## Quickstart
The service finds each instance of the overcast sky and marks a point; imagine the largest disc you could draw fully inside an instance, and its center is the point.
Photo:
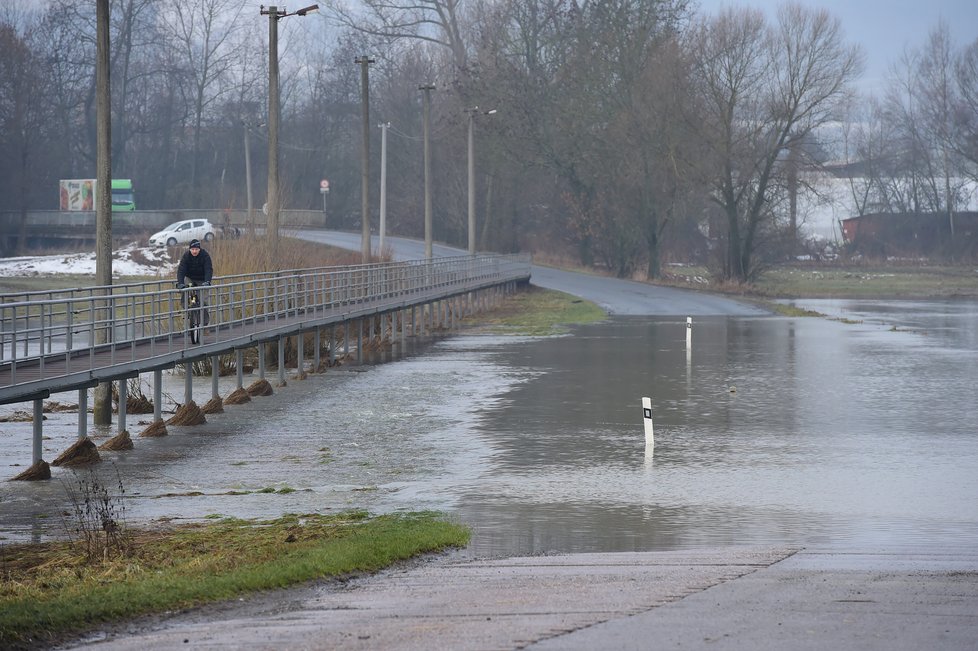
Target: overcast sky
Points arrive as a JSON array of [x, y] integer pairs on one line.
[[883, 27]]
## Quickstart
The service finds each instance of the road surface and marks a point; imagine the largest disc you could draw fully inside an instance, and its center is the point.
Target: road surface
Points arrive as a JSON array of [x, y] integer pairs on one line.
[[731, 599], [620, 297]]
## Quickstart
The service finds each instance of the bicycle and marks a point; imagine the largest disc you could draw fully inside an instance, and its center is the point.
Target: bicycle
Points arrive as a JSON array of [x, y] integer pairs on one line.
[[196, 317]]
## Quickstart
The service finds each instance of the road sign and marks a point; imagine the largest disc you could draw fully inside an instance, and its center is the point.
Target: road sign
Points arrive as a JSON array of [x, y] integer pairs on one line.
[[324, 186]]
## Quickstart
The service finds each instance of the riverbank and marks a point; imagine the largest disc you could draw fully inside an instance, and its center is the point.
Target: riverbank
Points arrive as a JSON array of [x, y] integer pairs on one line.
[[891, 281], [107, 572]]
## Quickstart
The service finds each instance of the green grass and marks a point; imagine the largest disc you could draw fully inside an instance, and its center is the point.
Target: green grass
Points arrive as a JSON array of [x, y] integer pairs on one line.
[[537, 312], [48, 592], [870, 282], [844, 281], [791, 310]]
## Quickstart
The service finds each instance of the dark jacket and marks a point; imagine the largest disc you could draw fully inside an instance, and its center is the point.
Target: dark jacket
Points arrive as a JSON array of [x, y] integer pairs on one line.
[[197, 268]]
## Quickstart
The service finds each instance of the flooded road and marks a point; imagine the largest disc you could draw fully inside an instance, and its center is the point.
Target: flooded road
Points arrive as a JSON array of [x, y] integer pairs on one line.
[[769, 430], [795, 431]]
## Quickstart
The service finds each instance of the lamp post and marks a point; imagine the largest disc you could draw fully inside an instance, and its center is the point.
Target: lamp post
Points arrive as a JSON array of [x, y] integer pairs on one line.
[[364, 63], [428, 249], [472, 113], [384, 126], [274, 15], [247, 148]]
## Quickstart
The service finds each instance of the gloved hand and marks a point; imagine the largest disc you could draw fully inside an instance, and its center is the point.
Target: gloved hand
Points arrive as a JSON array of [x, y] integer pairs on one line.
[[206, 283], [180, 285]]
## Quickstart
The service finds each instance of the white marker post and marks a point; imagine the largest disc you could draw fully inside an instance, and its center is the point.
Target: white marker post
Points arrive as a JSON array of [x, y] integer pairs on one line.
[[689, 347], [647, 417]]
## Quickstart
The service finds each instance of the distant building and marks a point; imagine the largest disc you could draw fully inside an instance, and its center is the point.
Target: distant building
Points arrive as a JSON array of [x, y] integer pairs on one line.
[[908, 234]]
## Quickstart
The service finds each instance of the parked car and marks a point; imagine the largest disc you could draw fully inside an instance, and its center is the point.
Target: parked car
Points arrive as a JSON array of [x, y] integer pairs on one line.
[[182, 232]]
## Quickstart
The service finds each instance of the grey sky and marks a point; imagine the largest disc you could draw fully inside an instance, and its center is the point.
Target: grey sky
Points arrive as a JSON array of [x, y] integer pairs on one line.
[[883, 27]]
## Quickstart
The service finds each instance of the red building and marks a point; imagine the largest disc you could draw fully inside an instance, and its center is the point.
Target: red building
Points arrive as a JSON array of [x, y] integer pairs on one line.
[[909, 234]]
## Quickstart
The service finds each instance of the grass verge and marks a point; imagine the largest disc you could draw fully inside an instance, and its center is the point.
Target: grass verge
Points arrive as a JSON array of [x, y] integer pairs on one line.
[[843, 281], [49, 592], [537, 312]]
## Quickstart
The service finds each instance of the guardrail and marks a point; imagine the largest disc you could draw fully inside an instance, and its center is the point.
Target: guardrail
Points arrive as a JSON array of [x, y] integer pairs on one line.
[[82, 223], [58, 340]]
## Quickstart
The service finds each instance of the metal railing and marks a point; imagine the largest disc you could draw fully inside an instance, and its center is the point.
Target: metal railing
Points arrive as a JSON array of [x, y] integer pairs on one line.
[[53, 334]]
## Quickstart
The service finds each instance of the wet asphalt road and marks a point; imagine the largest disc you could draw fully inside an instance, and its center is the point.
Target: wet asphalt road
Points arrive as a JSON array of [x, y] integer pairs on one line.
[[623, 297], [732, 599]]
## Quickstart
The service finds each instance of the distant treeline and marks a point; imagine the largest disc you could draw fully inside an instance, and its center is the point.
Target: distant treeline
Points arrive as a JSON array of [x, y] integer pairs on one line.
[[621, 133]]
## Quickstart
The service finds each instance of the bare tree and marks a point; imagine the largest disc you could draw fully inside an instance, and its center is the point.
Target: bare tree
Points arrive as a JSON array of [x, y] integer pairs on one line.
[[203, 33], [23, 112], [438, 22], [763, 91], [940, 94], [868, 149], [965, 119]]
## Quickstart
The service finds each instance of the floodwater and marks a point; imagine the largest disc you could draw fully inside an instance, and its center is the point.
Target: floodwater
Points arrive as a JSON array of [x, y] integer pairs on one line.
[[858, 430]]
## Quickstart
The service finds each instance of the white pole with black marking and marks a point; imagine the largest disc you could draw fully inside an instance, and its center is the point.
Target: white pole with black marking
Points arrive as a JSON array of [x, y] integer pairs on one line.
[[689, 347], [647, 417]]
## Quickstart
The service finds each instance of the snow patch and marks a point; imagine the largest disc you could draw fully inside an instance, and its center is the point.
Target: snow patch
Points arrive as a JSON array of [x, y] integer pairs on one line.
[[130, 260]]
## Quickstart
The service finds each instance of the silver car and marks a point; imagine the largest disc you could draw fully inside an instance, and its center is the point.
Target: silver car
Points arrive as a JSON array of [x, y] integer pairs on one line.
[[182, 232]]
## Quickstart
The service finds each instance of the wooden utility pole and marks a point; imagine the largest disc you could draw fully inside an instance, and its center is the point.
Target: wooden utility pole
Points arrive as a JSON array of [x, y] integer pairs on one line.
[[274, 199], [272, 202], [102, 409]]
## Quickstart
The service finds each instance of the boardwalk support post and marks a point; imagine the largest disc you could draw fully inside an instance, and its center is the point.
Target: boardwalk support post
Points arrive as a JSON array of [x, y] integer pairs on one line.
[[300, 355], [158, 427], [83, 413], [36, 451], [281, 361], [123, 402], [188, 382]]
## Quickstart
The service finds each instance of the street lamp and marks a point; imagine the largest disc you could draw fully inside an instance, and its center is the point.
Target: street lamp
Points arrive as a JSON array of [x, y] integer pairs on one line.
[[472, 113], [384, 126], [426, 113], [247, 148], [364, 63], [274, 15]]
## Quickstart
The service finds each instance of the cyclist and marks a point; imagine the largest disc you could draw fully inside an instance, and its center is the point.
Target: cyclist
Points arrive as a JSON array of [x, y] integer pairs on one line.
[[195, 268]]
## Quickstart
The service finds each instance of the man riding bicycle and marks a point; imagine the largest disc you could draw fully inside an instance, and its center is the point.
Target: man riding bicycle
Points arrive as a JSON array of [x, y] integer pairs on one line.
[[195, 268]]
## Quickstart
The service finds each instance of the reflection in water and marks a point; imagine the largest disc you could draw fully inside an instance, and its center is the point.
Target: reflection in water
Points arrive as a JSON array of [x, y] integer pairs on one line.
[[767, 430], [777, 430]]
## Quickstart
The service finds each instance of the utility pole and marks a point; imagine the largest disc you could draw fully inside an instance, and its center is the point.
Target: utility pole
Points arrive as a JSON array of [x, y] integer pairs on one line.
[[384, 126], [428, 249], [102, 407], [364, 63], [274, 15]]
